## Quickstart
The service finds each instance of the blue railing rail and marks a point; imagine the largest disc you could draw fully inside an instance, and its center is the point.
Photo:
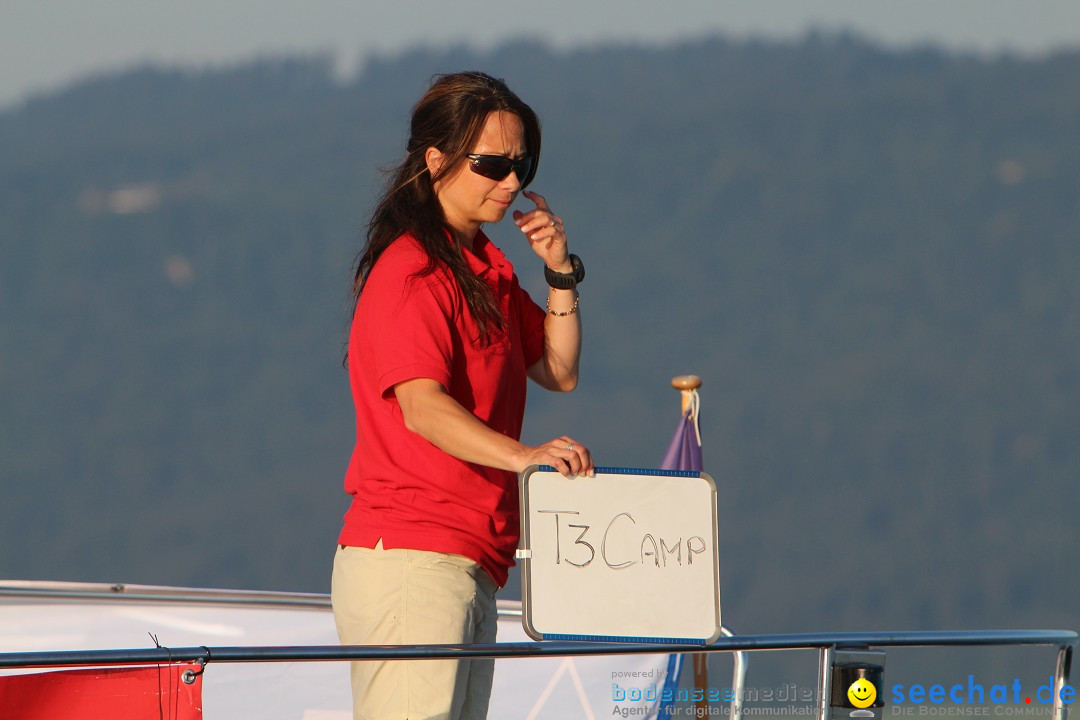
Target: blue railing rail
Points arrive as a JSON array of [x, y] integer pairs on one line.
[[1062, 639], [825, 643]]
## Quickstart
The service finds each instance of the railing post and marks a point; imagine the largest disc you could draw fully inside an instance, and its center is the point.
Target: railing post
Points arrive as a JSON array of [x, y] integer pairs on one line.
[[738, 678], [825, 661], [1061, 679]]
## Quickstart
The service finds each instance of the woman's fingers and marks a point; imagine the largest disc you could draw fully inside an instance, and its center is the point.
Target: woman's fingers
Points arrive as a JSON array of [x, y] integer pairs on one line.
[[569, 457], [538, 223], [576, 458], [582, 457], [587, 466], [537, 198]]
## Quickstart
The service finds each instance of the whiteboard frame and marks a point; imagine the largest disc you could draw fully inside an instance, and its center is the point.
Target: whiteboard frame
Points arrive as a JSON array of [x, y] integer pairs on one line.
[[524, 556]]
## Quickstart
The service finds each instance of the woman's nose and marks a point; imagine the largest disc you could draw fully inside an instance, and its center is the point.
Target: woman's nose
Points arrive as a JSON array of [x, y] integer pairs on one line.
[[512, 182]]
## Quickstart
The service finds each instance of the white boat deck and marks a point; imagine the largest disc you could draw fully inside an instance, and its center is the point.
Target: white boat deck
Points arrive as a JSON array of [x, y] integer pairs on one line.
[[49, 616]]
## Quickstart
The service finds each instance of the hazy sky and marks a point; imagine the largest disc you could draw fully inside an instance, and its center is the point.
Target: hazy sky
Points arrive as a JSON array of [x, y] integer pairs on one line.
[[45, 44]]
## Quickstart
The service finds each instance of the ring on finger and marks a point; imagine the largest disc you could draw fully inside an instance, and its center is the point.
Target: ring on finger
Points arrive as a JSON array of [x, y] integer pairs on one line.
[[570, 446]]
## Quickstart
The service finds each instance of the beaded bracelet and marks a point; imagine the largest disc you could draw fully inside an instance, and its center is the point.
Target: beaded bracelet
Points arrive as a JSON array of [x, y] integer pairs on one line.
[[571, 311]]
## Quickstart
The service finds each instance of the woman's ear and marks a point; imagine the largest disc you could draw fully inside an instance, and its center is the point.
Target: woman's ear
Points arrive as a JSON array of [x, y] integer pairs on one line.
[[434, 159]]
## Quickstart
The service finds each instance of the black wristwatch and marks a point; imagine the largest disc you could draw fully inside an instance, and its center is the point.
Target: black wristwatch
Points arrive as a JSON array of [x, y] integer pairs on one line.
[[566, 281]]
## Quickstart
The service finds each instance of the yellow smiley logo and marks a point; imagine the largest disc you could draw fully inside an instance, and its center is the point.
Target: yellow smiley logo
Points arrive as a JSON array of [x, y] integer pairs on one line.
[[862, 693]]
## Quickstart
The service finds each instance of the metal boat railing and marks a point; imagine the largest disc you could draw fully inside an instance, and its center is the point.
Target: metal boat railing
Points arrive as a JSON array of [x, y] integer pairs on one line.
[[825, 643]]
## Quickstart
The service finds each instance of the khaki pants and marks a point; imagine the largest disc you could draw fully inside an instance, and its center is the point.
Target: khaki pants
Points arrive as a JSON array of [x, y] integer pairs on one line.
[[407, 597]]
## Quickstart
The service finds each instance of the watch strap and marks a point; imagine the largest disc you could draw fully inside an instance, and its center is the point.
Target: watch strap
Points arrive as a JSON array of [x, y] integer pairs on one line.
[[566, 281]]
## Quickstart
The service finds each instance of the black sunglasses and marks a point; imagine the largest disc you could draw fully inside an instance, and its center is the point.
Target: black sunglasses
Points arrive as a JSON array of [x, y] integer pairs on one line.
[[498, 167]]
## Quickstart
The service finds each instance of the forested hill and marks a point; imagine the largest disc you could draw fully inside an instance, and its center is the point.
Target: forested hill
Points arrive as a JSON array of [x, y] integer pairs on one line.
[[870, 256]]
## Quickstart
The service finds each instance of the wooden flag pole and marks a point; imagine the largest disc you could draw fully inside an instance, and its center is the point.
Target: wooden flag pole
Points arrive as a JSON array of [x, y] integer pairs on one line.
[[687, 384]]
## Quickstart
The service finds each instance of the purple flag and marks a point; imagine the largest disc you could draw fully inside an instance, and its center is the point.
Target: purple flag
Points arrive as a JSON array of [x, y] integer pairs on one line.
[[684, 453]]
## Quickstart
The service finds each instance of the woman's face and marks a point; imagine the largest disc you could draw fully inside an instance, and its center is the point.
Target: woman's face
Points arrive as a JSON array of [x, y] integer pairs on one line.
[[468, 199]]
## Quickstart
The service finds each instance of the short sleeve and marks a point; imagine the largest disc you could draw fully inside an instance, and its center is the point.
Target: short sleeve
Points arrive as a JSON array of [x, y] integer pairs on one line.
[[407, 321], [531, 317]]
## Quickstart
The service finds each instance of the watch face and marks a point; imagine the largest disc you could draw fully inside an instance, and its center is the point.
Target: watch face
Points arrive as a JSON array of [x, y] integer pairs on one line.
[[566, 281], [579, 268]]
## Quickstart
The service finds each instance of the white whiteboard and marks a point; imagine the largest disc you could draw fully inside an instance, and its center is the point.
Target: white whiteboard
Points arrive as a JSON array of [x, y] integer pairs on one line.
[[626, 555]]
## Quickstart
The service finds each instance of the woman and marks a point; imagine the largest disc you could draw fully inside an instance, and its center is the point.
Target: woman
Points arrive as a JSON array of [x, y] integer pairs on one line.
[[442, 340]]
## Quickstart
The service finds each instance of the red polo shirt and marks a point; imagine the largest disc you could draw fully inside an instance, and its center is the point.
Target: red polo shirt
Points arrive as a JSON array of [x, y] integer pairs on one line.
[[405, 490]]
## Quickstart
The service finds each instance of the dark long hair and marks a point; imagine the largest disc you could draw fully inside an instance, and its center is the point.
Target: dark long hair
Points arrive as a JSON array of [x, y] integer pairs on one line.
[[450, 117]]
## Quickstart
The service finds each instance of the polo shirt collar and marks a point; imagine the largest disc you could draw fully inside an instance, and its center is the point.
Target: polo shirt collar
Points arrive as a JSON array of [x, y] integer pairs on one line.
[[485, 257]]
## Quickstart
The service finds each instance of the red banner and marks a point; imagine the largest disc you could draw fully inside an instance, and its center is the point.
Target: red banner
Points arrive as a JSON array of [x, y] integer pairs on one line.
[[128, 693]]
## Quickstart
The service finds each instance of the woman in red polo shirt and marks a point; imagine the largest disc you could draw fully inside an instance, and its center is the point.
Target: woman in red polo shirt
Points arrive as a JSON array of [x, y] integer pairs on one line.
[[442, 341]]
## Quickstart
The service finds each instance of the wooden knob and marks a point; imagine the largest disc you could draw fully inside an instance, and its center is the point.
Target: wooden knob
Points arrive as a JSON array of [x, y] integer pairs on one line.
[[686, 382]]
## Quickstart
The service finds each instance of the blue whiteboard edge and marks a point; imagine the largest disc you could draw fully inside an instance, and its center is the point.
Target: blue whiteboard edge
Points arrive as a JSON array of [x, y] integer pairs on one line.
[[624, 639], [637, 471]]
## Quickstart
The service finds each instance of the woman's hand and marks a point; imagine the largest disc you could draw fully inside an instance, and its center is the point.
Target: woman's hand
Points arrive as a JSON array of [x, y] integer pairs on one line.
[[564, 454], [545, 232]]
